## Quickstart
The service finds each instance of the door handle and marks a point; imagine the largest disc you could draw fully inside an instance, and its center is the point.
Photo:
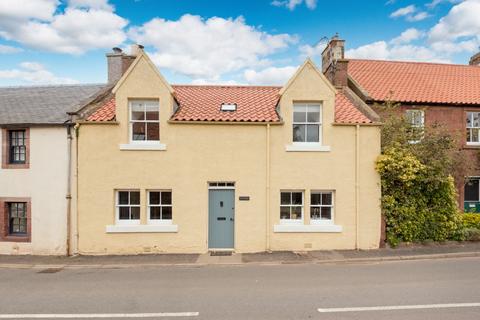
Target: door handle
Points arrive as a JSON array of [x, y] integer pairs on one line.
[[231, 219]]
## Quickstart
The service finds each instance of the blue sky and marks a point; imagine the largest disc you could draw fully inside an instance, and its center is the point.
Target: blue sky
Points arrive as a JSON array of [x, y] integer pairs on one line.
[[224, 41]]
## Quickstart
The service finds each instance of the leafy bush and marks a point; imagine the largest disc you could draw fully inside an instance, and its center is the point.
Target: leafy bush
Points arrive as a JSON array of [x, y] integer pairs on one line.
[[471, 220], [419, 200], [472, 234]]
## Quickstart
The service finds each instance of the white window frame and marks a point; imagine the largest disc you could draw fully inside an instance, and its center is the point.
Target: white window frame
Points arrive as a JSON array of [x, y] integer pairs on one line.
[[471, 127], [410, 115], [149, 206], [130, 110], [330, 221], [119, 221], [319, 123], [292, 221]]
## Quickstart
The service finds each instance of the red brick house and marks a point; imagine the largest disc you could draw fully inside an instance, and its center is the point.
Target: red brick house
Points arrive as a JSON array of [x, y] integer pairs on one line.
[[429, 93]]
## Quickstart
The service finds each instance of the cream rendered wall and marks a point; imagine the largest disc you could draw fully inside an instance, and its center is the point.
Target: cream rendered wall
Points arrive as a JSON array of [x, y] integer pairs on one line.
[[198, 153], [45, 182]]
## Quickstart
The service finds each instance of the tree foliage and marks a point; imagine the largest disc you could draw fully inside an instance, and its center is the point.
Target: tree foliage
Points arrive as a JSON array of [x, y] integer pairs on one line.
[[417, 167]]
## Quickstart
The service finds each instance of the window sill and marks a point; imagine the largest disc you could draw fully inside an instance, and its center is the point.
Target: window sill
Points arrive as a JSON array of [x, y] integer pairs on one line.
[[306, 147], [141, 228], [470, 145], [143, 146], [318, 228]]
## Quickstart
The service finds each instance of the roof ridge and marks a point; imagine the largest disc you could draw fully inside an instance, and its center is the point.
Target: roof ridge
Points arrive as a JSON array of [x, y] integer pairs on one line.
[[225, 85], [416, 62]]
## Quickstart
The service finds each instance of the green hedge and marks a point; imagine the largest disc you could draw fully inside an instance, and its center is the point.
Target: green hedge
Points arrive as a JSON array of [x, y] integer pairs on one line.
[[471, 220]]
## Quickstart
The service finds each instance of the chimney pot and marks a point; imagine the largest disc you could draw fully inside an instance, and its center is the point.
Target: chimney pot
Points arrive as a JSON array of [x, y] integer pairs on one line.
[[117, 50], [475, 60], [135, 49]]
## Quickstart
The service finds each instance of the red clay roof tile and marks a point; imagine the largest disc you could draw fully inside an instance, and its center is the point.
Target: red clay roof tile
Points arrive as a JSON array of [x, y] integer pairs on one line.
[[254, 104], [417, 82]]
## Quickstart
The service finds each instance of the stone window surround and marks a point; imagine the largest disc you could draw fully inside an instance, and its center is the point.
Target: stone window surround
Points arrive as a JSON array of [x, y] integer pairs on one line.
[[6, 151], [4, 233]]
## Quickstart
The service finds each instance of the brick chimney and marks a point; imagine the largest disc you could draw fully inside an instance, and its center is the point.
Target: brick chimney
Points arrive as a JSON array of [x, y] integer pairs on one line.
[[334, 64], [475, 60], [118, 62]]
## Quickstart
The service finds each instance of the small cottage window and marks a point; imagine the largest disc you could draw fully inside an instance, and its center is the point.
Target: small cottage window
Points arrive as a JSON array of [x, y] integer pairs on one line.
[[144, 120], [416, 119], [321, 207], [17, 218], [228, 107], [473, 127], [291, 207], [17, 146], [306, 123], [128, 207], [160, 206]]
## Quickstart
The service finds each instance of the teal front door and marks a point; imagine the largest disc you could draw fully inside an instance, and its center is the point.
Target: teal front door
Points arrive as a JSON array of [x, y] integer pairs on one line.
[[221, 222]]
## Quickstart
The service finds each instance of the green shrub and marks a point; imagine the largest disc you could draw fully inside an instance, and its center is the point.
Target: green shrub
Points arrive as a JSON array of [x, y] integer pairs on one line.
[[471, 220], [472, 234]]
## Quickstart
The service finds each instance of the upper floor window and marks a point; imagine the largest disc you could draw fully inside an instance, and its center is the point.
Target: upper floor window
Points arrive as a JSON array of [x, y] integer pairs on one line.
[[17, 146], [416, 119], [473, 127], [144, 120], [307, 123]]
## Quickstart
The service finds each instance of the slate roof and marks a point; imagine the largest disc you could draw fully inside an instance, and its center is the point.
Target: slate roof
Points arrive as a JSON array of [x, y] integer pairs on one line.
[[42, 104], [417, 82], [254, 104]]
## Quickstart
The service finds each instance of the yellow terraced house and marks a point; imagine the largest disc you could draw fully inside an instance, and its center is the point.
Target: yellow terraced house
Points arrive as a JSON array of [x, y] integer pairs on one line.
[[164, 168]]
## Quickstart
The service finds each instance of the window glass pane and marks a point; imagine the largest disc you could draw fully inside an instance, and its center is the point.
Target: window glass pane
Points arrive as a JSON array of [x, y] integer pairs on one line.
[[312, 132], [326, 198], [138, 115], [138, 131], [153, 131], [124, 213], [284, 212], [471, 190], [326, 213], [296, 213], [313, 114], [167, 213], [154, 197], [123, 197], [315, 213], [469, 119], [315, 199], [152, 111], [476, 120], [299, 116], [166, 197], [135, 213], [285, 198], [297, 198], [134, 197], [155, 213], [474, 136], [299, 133], [469, 136]]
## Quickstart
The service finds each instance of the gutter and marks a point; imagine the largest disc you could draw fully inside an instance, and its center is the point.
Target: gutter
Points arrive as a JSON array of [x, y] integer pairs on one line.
[[357, 185], [69, 188], [267, 190]]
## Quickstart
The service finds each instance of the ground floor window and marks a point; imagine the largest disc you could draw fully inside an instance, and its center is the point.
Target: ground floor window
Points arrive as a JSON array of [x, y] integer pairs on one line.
[[291, 206], [321, 206], [160, 206], [17, 218], [472, 194], [128, 206]]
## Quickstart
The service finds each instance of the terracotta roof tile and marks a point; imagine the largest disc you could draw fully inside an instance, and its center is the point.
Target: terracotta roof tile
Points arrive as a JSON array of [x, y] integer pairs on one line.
[[346, 112], [254, 104], [417, 82], [105, 112], [202, 103]]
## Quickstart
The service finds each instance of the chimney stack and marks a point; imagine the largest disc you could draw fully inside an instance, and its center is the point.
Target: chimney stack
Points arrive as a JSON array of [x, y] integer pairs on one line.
[[475, 60], [334, 64], [118, 62]]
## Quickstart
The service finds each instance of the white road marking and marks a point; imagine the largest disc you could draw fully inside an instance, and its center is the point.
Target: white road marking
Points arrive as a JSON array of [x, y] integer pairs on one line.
[[410, 307], [98, 315]]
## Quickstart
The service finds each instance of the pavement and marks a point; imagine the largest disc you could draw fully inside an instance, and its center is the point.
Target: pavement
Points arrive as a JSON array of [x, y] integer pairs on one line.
[[440, 289], [405, 252]]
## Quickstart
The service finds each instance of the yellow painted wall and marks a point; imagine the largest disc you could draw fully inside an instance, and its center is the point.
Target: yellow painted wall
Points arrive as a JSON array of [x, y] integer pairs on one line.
[[198, 153]]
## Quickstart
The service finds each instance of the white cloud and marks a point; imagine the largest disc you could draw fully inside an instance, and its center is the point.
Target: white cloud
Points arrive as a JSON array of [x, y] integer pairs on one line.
[[312, 51], [292, 4], [403, 11], [270, 75], [34, 73], [422, 15], [435, 3], [408, 36], [206, 49], [84, 25], [9, 49]]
